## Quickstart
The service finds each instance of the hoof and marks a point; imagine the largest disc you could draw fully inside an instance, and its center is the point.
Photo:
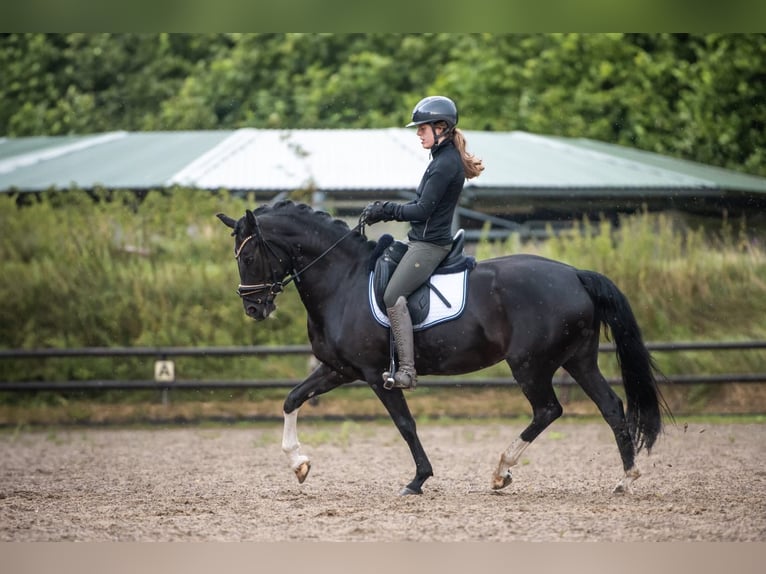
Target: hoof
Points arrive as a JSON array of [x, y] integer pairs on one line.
[[302, 471], [623, 487], [406, 491], [499, 482]]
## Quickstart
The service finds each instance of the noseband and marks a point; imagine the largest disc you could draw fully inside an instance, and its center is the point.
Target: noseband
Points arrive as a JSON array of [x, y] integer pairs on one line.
[[277, 286]]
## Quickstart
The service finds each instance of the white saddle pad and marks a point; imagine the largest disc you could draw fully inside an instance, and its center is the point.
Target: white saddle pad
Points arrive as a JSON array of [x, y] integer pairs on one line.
[[454, 288]]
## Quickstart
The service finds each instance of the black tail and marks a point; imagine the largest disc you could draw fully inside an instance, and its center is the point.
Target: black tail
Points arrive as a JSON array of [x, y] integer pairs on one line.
[[638, 368]]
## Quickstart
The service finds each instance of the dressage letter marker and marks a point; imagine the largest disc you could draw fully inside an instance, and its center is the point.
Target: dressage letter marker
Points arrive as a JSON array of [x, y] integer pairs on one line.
[[164, 371]]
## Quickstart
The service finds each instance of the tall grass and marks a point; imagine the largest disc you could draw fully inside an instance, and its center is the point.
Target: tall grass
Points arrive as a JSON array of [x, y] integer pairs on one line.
[[119, 272], [105, 269], [684, 284]]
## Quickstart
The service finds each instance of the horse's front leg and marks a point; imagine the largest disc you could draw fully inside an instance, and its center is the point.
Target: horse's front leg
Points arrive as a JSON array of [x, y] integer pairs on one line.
[[291, 446], [321, 380], [397, 408]]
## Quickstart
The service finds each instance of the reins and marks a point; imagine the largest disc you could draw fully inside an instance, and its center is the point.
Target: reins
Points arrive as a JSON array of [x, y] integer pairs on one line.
[[277, 287]]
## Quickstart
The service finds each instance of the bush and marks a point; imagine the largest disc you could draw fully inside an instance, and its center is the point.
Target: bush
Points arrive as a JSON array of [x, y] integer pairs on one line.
[[684, 284], [105, 269]]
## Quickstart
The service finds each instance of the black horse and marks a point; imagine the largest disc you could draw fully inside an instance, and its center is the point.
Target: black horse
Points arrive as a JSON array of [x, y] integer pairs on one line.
[[534, 313]]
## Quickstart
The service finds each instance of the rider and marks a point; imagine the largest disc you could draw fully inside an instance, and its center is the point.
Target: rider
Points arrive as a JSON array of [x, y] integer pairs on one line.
[[430, 215]]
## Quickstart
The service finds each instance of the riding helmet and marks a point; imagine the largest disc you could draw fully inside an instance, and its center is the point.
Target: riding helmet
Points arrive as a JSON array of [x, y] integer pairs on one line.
[[434, 109]]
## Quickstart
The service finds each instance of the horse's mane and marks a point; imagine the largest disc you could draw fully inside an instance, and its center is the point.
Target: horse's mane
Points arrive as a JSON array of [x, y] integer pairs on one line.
[[304, 211]]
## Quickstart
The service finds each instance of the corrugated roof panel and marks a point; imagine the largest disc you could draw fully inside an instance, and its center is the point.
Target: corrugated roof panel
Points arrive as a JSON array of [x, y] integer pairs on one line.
[[291, 159], [360, 159], [40, 151], [535, 161], [14, 147], [246, 159], [712, 175], [127, 160]]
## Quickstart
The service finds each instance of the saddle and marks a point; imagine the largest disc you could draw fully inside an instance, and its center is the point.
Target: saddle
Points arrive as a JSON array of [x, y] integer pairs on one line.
[[388, 254]]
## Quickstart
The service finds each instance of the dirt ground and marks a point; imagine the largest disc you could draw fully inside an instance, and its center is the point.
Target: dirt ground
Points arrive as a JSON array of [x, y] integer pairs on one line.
[[703, 482]]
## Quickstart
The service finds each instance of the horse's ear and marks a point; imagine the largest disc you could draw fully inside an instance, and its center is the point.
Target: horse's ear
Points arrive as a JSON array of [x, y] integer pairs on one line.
[[227, 221], [250, 220]]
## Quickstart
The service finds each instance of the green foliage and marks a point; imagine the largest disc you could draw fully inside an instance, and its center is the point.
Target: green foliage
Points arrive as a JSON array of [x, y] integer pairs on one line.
[[684, 284], [105, 269], [110, 271], [694, 96]]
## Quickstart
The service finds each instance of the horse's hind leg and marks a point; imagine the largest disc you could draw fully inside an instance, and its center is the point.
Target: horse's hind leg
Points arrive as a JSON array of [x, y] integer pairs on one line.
[[538, 389], [585, 371]]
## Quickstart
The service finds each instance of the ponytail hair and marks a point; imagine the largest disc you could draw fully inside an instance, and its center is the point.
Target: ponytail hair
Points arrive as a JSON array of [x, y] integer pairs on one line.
[[472, 165]]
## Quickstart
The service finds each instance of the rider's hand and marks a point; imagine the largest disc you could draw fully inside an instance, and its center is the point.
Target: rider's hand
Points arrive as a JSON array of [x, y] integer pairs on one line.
[[375, 212]]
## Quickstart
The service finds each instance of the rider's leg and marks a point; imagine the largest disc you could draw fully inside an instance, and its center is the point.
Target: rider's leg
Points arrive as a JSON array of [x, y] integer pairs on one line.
[[414, 269], [405, 376]]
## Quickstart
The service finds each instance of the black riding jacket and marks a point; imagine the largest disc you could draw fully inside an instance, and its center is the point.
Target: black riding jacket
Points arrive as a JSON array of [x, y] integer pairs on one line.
[[431, 212]]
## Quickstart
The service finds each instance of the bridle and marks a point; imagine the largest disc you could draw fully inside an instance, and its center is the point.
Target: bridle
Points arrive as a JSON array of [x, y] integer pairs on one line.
[[277, 286], [273, 288]]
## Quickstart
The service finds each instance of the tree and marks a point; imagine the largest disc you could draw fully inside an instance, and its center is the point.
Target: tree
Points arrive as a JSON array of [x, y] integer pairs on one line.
[[696, 96]]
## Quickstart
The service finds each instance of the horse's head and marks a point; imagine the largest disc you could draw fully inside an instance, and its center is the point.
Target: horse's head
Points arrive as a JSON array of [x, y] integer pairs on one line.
[[261, 267]]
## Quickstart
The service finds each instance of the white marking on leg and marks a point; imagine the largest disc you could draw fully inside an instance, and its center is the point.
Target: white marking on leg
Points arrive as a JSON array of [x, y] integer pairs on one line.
[[624, 485], [298, 462], [502, 476]]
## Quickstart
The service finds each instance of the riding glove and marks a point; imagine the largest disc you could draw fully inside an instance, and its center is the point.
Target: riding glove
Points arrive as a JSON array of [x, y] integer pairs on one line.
[[378, 211]]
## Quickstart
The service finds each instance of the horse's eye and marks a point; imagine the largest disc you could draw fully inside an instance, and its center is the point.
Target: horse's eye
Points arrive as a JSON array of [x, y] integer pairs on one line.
[[249, 260]]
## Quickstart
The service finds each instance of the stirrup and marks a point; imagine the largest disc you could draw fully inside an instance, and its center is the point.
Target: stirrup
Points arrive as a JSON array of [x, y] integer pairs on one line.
[[390, 382]]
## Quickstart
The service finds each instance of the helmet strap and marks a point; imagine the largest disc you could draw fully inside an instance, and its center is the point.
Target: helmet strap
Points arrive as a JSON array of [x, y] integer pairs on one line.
[[436, 137], [446, 135]]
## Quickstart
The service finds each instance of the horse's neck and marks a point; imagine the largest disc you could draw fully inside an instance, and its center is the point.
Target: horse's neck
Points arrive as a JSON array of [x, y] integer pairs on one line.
[[327, 258], [326, 276]]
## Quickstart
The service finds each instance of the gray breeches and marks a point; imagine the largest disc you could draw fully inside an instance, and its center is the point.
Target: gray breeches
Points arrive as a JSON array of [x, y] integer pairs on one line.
[[416, 267]]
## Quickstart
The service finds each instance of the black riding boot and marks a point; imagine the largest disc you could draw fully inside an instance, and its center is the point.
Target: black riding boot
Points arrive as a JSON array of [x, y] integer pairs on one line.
[[401, 326]]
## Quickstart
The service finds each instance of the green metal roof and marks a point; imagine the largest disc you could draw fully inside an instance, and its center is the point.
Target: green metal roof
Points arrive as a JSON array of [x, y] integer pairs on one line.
[[341, 160], [718, 177]]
